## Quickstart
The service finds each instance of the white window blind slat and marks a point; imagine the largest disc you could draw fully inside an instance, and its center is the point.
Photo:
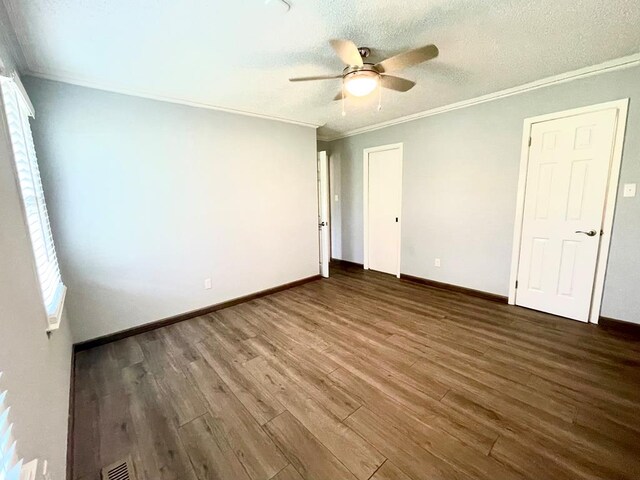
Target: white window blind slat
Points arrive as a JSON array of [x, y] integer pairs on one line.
[[16, 113], [6, 437], [10, 466], [7, 460]]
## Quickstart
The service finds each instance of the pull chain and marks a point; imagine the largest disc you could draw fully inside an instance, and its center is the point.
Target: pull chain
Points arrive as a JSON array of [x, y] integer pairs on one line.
[[344, 113], [380, 94]]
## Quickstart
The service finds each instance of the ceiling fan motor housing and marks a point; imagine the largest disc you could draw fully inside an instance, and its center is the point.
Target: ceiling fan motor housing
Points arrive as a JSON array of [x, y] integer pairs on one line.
[[367, 67]]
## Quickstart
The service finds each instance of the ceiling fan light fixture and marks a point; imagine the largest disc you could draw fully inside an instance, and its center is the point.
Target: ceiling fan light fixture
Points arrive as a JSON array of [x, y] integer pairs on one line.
[[361, 84]]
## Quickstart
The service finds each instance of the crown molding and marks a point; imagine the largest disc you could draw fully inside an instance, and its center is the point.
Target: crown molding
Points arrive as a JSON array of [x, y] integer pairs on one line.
[[609, 66], [151, 96]]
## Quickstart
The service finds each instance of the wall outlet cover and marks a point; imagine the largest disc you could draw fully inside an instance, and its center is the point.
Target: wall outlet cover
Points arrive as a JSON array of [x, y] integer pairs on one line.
[[207, 284], [436, 262], [629, 190]]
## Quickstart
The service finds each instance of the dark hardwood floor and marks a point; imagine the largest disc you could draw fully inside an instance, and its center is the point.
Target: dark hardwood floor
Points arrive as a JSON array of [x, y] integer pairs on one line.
[[363, 376]]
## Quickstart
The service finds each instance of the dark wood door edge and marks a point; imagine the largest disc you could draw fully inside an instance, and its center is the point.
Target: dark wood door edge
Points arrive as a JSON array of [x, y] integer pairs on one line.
[[622, 326], [455, 288], [95, 342]]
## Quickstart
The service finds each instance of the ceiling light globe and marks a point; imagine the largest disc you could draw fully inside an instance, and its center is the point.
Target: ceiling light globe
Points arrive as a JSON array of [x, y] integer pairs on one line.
[[360, 84]]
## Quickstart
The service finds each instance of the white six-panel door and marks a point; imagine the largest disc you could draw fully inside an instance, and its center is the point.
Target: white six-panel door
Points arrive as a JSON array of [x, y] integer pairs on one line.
[[383, 171], [566, 188]]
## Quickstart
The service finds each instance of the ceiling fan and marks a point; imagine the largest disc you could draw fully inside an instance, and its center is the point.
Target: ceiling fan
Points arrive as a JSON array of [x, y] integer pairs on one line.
[[360, 77]]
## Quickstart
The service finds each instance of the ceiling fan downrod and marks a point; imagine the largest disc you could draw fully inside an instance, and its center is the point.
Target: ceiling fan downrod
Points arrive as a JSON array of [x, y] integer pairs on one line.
[[364, 52]]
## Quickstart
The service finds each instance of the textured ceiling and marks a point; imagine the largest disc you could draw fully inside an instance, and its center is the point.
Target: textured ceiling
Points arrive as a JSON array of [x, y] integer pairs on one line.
[[239, 54]]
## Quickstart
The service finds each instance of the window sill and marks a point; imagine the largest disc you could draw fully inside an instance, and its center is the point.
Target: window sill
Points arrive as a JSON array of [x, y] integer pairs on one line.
[[54, 318]]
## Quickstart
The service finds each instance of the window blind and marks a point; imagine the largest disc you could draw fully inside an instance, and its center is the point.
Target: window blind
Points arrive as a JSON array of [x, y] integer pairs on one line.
[[9, 466], [16, 110]]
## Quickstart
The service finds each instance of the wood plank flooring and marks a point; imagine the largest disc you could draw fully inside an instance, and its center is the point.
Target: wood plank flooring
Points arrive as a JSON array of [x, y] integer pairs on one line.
[[363, 376]]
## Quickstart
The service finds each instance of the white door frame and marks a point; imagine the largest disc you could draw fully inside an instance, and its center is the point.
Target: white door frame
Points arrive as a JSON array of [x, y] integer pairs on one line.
[[324, 206], [610, 203], [365, 202]]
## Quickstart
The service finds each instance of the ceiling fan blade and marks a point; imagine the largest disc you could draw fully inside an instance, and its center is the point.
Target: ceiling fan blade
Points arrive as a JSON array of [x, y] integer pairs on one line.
[[347, 51], [396, 83], [408, 59], [338, 96], [320, 77]]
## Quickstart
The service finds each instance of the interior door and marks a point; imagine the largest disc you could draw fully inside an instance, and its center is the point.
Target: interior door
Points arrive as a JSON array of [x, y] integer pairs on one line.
[[567, 177], [384, 203], [323, 213]]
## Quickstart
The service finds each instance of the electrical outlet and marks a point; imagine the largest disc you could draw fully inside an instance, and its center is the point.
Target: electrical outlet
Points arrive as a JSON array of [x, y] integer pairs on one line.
[[629, 190], [337, 198], [207, 284], [436, 263]]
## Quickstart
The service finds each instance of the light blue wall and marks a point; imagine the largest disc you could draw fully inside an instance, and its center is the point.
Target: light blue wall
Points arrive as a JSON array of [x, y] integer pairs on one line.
[[148, 199], [460, 182]]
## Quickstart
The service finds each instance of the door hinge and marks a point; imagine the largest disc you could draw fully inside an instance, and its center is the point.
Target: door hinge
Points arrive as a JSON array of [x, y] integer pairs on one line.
[[529, 141], [516, 283]]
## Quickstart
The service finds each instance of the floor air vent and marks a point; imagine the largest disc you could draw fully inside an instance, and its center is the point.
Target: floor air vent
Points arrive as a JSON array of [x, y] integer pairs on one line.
[[122, 470]]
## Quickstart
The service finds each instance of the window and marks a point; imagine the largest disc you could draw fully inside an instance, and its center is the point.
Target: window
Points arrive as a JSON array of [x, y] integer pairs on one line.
[[9, 467], [17, 110]]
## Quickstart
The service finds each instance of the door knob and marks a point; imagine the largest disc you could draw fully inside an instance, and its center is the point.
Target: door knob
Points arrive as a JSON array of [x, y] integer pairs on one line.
[[590, 233]]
